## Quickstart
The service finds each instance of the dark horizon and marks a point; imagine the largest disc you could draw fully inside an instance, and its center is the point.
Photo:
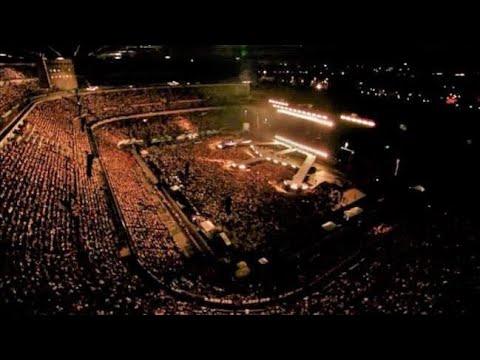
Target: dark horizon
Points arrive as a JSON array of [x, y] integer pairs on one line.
[[445, 52]]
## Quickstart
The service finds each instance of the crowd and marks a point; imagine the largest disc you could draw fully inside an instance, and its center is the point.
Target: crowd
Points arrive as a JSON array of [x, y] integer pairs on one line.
[[13, 94], [9, 73], [409, 274], [134, 101], [149, 128], [259, 211], [140, 207], [59, 245]]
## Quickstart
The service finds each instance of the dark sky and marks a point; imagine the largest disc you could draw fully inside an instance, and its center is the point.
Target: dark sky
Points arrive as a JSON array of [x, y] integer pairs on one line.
[[438, 49]]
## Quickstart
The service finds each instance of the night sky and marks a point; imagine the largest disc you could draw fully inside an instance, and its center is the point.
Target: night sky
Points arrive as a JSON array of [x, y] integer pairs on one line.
[[440, 49]]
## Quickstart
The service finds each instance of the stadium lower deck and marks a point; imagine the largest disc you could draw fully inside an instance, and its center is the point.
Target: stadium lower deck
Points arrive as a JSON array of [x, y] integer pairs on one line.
[[61, 234]]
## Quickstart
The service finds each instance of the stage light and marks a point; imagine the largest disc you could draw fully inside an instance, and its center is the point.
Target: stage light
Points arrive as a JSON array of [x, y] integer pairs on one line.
[[276, 102], [316, 118], [360, 121]]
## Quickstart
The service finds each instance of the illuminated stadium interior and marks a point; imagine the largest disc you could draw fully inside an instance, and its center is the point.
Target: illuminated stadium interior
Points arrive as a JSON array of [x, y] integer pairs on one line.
[[211, 198]]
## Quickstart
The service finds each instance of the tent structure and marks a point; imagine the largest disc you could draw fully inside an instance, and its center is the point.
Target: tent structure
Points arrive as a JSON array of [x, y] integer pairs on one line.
[[350, 213], [329, 226]]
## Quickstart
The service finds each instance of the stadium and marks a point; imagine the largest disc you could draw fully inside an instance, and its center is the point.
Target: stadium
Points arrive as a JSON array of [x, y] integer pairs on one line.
[[190, 199]]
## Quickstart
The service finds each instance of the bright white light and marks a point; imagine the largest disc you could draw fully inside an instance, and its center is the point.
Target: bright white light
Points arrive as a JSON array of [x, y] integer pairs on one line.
[[460, 74], [300, 147], [191, 60], [293, 186], [242, 167], [264, 72], [316, 118], [234, 165], [167, 57], [356, 120], [276, 102], [304, 186]]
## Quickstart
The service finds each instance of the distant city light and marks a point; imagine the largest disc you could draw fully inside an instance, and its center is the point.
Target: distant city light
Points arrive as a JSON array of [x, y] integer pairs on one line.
[[357, 120], [300, 147], [451, 99]]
